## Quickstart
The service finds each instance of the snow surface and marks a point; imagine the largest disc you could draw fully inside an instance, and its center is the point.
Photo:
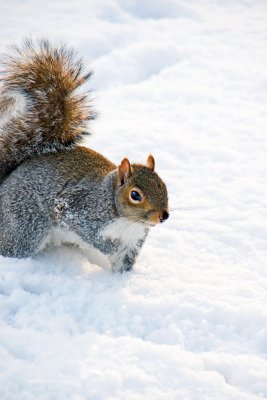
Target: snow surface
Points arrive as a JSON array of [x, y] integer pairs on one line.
[[186, 81]]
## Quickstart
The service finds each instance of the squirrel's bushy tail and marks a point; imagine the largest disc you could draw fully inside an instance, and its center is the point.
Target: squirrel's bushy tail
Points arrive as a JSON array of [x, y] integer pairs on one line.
[[40, 108]]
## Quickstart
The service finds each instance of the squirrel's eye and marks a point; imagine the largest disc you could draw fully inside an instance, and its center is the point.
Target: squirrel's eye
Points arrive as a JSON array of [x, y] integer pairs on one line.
[[136, 196]]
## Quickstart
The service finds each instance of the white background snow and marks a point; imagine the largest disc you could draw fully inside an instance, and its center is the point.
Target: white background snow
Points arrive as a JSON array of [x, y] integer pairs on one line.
[[186, 81]]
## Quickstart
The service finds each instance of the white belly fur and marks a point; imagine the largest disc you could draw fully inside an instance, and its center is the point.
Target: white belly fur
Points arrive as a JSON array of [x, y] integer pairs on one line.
[[59, 236], [122, 229], [128, 232]]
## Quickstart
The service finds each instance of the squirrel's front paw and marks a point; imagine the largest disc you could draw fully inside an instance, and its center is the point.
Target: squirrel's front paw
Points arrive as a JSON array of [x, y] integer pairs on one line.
[[122, 268], [126, 268]]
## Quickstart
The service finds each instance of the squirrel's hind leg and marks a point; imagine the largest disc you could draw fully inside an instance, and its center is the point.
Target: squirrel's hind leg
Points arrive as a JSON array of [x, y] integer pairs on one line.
[[23, 226], [23, 239]]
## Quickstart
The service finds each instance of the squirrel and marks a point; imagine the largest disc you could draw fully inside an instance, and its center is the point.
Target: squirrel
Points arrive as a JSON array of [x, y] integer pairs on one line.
[[54, 190]]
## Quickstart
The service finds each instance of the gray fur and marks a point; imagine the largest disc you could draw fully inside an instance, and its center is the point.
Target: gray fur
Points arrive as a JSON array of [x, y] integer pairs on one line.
[[35, 199]]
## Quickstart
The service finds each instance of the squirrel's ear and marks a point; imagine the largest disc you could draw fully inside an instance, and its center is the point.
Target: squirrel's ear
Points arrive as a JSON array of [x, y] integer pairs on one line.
[[150, 163], [125, 171]]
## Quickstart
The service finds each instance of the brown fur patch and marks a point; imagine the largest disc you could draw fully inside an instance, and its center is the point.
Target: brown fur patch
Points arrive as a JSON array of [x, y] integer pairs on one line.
[[6, 104], [55, 117]]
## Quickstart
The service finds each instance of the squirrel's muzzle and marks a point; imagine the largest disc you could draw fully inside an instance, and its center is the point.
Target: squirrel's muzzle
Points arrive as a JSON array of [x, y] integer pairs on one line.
[[159, 217], [165, 216]]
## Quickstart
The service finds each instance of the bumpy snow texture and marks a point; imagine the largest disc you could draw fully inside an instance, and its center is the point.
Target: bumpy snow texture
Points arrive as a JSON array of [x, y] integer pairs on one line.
[[187, 81]]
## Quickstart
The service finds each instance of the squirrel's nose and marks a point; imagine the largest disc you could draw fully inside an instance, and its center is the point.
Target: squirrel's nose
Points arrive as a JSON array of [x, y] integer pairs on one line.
[[165, 215]]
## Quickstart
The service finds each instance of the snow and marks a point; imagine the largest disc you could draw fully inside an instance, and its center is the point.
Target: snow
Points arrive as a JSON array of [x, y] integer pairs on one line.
[[187, 82]]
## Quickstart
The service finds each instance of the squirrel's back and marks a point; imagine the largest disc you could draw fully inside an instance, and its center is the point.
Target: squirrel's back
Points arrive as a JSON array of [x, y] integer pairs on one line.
[[40, 108], [72, 165]]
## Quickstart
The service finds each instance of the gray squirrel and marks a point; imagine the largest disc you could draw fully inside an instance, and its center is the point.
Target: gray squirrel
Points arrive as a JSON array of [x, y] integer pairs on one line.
[[53, 190]]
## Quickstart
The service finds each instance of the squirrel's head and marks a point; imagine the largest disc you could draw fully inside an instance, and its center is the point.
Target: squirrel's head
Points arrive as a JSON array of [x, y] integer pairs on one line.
[[141, 195]]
